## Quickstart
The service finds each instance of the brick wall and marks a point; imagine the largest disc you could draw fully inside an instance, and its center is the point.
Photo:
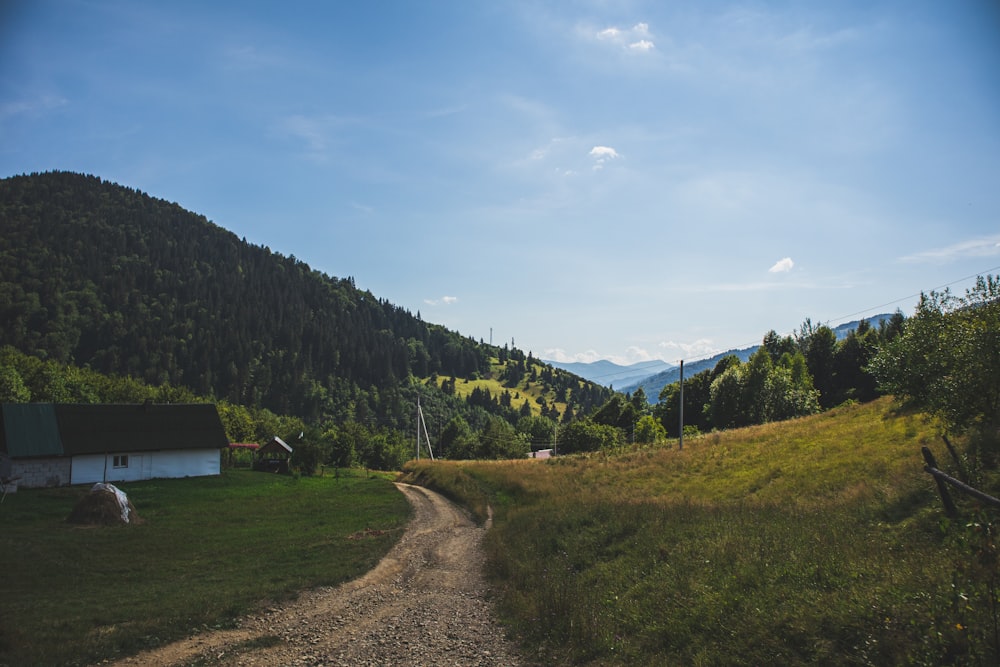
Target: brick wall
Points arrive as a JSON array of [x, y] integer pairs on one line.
[[38, 473]]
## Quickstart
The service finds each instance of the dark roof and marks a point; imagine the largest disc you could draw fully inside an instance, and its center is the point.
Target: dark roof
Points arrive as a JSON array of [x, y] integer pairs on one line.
[[29, 430], [97, 429]]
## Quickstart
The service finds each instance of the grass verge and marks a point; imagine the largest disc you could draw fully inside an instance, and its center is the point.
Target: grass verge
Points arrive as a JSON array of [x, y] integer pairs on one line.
[[815, 541], [209, 549]]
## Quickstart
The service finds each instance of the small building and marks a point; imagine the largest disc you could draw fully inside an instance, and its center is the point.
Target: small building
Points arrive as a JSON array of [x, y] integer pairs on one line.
[[274, 456], [56, 444]]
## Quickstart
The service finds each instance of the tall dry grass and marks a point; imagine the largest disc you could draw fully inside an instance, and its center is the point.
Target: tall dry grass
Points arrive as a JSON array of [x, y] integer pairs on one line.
[[815, 541]]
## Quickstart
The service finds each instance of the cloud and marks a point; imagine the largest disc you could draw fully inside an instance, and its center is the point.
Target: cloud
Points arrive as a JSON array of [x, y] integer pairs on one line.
[[630, 39], [672, 351], [602, 154], [443, 301], [984, 247], [563, 357], [783, 265]]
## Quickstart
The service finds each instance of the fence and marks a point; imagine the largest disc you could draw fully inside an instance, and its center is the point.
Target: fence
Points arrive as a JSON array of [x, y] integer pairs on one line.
[[943, 480]]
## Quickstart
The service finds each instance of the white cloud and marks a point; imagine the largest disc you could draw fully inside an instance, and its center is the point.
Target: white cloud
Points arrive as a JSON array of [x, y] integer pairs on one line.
[[602, 154], [984, 247], [443, 301], [632, 39], [783, 265], [672, 351], [563, 357]]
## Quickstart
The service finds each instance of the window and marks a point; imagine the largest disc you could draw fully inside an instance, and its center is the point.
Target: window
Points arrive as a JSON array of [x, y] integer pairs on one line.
[[121, 460]]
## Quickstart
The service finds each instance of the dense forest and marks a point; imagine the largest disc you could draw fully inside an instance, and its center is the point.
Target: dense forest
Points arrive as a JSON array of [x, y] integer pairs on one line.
[[104, 277]]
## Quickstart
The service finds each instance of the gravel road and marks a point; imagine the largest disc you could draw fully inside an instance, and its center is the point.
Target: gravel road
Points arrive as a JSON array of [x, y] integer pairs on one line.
[[425, 603]]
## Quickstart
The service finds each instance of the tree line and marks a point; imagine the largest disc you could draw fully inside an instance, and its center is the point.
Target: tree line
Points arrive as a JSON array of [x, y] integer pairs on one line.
[[944, 360]]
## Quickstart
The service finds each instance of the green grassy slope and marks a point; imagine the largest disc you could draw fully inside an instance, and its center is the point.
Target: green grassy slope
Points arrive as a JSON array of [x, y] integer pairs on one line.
[[815, 541]]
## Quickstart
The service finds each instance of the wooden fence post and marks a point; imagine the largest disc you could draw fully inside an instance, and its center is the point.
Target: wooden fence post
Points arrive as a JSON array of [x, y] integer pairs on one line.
[[949, 504]]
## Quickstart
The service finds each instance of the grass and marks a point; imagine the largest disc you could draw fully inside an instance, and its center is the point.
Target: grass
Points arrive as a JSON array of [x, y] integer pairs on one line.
[[208, 550], [815, 541], [527, 391]]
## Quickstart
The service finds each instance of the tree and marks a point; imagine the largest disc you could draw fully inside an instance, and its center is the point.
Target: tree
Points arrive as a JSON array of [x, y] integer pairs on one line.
[[726, 408], [947, 359], [649, 430], [538, 429], [12, 387], [585, 435], [499, 440], [457, 440], [819, 345]]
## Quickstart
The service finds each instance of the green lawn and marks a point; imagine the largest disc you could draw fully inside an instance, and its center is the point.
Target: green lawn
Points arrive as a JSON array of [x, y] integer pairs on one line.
[[208, 550]]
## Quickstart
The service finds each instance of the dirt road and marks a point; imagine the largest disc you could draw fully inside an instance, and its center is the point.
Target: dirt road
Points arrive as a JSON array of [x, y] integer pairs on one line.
[[424, 604]]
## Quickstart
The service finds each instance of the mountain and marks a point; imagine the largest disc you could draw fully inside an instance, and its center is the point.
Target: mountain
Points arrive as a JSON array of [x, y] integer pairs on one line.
[[652, 385], [104, 276], [608, 373], [842, 330]]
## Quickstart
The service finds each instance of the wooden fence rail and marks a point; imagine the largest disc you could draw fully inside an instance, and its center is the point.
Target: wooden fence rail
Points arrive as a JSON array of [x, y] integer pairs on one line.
[[943, 478]]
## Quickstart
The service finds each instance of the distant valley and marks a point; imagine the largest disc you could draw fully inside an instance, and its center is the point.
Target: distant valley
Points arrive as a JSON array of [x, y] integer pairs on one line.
[[608, 373]]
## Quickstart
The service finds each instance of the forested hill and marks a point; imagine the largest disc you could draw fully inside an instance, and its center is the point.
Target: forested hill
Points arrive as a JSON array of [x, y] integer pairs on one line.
[[101, 275]]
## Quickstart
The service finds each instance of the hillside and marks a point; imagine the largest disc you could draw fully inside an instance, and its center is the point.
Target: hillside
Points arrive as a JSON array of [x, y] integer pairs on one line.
[[813, 541], [107, 277]]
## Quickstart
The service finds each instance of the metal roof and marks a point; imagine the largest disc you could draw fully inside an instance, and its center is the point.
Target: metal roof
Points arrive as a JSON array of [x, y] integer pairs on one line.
[[30, 430], [44, 429]]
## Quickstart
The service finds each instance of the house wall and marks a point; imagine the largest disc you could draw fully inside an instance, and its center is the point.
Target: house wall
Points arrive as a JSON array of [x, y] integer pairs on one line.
[[91, 468], [40, 473]]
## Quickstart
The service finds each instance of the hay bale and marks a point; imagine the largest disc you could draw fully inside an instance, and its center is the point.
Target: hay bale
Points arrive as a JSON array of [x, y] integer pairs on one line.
[[105, 505]]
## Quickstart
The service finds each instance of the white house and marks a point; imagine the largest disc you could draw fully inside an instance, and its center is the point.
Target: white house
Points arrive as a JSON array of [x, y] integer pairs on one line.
[[56, 444]]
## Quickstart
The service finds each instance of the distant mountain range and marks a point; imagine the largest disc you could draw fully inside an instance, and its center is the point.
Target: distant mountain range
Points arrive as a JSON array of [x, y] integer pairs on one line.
[[608, 373], [654, 383]]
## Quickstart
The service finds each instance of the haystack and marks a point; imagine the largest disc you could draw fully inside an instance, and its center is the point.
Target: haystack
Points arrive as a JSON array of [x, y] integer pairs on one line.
[[105, 505]]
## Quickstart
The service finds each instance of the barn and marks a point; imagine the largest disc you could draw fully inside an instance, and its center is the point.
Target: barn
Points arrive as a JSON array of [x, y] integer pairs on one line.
[[56, 444]]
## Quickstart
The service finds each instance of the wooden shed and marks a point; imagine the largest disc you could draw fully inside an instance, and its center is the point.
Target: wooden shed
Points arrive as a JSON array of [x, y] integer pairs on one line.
[[273, 456]]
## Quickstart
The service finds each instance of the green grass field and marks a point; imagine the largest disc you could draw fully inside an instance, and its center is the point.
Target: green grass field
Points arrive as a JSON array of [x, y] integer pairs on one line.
[[815, 541], [208, 550]]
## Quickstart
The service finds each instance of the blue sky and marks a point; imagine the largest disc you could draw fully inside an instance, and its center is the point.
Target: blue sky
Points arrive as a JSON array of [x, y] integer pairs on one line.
[[619, 180]]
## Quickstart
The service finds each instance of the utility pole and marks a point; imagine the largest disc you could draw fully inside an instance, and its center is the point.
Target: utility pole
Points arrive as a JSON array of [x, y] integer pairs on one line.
[[422, 423], [680, 442]]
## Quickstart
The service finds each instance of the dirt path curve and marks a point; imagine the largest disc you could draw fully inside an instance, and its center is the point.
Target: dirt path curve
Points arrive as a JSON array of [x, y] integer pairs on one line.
[[423, 604]]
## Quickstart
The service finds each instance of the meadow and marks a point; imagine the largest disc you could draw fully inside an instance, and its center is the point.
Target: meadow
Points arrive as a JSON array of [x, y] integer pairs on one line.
[[208, 550], [815, 541]]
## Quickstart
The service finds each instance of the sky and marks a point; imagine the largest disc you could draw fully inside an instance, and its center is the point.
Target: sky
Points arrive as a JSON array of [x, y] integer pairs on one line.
[[589, 179]]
